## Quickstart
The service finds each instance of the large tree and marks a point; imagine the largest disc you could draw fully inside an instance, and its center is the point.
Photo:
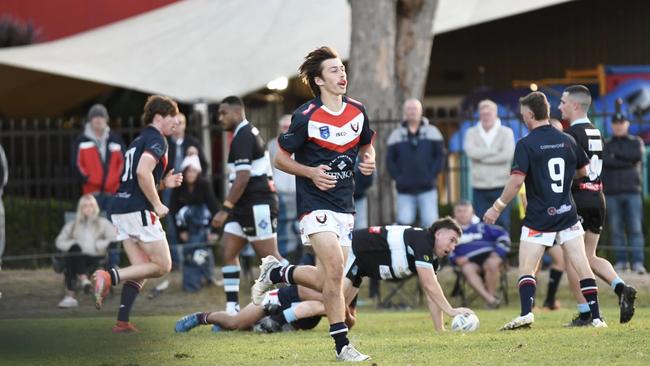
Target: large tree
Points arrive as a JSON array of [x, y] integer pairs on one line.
[[389, 59], [390, 51]]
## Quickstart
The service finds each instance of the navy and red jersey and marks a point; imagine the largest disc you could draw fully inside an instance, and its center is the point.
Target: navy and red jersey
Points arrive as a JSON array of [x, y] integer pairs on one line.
[[393, 252], [587, 191], [319, 136], [248, 152], [129, 197], [549, 160]]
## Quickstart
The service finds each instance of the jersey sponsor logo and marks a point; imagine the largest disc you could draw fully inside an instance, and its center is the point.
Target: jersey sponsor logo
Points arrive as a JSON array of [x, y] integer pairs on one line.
[[341, 134], [341, 175], [554, 146], [324, 132], [594, 187], [374, 230], [552, 211], [354, 126], [322, 219]]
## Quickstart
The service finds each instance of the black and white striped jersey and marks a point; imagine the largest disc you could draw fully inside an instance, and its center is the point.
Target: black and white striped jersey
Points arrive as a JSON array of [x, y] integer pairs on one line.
[[587, 191], [248, 152], [393, 252]]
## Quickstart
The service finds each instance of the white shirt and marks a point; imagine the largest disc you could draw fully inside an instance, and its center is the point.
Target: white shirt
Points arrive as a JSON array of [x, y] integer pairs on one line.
[[489, 136]]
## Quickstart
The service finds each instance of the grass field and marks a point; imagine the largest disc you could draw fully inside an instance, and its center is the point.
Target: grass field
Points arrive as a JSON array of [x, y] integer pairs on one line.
[[34, 332], [392, 338]]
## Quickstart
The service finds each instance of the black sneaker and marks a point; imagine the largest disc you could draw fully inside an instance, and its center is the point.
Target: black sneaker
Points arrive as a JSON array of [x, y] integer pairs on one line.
[[626, 302], [579, 322]]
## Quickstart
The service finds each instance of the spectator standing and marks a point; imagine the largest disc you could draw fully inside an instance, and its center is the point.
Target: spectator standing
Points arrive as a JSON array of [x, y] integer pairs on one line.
[[99, 157], [490, 148], [285, 185], [193, 204], [85, 240], [414, 158], [180, 145], [621, 176]]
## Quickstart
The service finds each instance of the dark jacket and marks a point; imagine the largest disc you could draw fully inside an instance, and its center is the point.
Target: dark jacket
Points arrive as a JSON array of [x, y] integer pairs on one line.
[[4, 170], [201, 194], [187, 142], [414, 160], [622, 165], [97, 174]]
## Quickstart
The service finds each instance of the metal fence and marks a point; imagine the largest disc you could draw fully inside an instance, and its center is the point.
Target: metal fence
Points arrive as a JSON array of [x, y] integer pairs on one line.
[[42, 184]]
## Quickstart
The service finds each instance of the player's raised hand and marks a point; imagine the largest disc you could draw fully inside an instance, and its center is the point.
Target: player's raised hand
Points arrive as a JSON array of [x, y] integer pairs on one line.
[[367, 164], [173, 180], [321, 179], [161, 210], [491, 216]]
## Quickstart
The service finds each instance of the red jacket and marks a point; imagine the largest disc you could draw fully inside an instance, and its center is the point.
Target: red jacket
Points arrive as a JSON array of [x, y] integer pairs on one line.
[[97, 176]]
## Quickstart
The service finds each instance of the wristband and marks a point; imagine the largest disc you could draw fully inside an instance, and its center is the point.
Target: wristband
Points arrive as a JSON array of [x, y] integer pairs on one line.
[[226, 209], [499, 205]]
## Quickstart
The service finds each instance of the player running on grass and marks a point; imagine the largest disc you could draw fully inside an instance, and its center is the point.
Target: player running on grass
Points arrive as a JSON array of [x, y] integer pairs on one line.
[[136, 210], [590, 201], [547, 160], [326, 135], [287, 308]]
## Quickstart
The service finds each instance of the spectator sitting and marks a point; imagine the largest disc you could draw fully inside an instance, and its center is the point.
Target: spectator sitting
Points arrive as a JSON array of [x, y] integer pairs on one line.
[[622, 157], [99, 157], [482, 248], [85, 239], [193, 204], [414, 158]]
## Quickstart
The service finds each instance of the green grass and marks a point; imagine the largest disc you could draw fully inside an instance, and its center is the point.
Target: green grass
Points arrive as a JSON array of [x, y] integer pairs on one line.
[[391, 338]]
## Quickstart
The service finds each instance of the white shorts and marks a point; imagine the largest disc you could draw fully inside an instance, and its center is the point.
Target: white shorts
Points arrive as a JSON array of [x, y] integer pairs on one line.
[[320, 221], [140, 225], [548, 238], [235, 229]]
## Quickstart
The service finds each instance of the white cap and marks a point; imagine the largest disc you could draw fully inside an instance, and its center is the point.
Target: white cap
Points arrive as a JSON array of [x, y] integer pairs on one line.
[[191, 161]]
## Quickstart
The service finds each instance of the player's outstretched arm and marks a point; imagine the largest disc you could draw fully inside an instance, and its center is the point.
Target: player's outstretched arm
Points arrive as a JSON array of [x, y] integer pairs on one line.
[[318, 175], [509, 192], [434, 293], [147, 184]]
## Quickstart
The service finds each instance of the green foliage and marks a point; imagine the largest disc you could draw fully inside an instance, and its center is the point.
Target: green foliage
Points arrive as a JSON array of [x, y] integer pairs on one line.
[[33, 224]]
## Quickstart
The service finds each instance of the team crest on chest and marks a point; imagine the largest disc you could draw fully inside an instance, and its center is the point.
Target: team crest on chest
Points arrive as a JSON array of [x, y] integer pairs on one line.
[[354, 126], [324, 132]]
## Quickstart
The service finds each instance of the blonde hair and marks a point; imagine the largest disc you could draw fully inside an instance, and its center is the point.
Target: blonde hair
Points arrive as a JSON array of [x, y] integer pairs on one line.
[[79, 217], [486, 103]]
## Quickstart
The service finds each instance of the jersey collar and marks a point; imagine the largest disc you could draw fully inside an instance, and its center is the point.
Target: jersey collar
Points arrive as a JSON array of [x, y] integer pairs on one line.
[[580, 121], [239, 126]]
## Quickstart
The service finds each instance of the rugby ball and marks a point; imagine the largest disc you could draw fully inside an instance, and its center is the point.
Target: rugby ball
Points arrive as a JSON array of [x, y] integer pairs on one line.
[[465, 323]]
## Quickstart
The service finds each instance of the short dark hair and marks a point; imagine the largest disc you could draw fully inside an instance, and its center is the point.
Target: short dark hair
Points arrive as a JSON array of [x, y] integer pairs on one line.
[[312, 66], [233, 100], [538, 104], [582, 92], [445, 223], [158, 104]]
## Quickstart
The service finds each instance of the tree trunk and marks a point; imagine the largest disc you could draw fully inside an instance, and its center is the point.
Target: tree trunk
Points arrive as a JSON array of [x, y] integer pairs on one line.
[[390, 51]]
